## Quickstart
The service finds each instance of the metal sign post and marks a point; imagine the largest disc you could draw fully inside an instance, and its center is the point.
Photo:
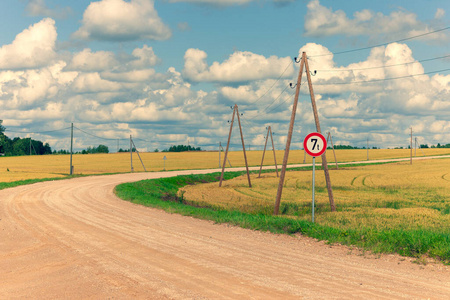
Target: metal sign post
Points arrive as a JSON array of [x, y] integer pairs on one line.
[[313, 186], [315, 145], [164, 158]]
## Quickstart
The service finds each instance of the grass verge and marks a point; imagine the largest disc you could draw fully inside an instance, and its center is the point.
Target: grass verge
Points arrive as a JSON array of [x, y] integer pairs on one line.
[[6, 185], [163, 193]]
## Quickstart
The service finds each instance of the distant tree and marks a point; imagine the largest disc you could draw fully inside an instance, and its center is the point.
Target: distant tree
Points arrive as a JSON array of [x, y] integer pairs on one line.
[[344, 147], [21, 146], [126, 150], [93, 150], [2, 128], [182, 148], [156, 150], [102, 149]]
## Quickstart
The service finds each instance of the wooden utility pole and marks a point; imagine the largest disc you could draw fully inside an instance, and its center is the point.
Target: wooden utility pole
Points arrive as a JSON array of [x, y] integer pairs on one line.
[[332, 147], [71, 149], [303, 62], [273, 149], [131, 154], [410, 146], [367, 148], [137, 152], [264, 152], [220, 160], [316, 118], [243, 146], [415, 146], [289, 138], [235, 112]]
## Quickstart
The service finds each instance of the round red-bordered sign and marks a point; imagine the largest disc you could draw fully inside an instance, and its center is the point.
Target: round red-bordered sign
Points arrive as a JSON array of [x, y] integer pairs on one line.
[[315, 144]]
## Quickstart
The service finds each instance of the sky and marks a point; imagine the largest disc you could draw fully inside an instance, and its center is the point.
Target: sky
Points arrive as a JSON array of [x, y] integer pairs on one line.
[[168, 72]]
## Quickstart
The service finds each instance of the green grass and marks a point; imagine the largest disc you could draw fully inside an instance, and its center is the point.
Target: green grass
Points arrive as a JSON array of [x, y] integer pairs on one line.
[[162, 193], [6, 185]]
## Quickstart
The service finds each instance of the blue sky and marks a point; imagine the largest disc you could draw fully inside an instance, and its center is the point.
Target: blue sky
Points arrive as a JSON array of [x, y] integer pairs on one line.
[[167, 71]]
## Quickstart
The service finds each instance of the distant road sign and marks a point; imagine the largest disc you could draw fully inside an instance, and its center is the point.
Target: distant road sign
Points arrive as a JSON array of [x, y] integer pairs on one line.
[[315, 144]]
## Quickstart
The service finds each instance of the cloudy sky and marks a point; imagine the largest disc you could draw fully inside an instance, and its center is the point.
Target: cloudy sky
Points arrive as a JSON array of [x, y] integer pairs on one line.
[[167, 71]]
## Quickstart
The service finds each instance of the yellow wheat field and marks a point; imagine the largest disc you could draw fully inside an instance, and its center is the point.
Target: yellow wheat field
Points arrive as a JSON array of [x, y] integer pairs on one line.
[[395, 195], [50, 166]]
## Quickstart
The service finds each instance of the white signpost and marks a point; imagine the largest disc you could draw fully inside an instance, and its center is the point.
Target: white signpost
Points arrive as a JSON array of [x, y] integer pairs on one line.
[[164, 158], [314, 144]]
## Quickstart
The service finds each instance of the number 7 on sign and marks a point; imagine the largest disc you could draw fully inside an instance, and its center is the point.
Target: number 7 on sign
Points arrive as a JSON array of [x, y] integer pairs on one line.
[[315, 144]]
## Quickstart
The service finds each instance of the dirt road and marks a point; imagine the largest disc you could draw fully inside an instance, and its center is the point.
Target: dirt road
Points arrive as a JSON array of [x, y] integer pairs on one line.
[[74, 239]]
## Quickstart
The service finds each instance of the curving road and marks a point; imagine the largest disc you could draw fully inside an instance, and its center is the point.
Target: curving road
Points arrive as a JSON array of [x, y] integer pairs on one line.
[[74, 239]]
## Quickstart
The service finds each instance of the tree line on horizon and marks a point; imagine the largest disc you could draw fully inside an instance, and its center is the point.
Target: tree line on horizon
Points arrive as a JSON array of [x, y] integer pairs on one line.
[[27, 146]]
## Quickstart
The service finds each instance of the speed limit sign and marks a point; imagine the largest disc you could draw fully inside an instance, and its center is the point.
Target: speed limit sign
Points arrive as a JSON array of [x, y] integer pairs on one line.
[[315, 144]]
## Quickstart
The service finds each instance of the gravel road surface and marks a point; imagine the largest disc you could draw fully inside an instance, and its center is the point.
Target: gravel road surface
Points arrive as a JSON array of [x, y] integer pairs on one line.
[[74, 239]]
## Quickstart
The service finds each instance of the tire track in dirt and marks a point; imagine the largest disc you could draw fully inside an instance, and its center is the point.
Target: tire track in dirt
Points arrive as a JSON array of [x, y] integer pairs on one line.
[[74, 239]]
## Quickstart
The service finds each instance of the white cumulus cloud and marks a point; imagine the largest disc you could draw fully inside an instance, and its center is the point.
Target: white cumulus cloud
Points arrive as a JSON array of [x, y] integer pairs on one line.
[[89, 61], [34, 47], [324, 21], [239, 67], [118, 20]]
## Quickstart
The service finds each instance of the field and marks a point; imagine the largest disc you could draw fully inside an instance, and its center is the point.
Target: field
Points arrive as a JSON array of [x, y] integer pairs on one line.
[[373, 201], [54, 166]]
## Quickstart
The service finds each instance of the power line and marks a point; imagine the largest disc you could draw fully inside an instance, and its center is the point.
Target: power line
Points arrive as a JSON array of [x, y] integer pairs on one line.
[[37, 132], [384, 79], [278, 79], [135, 138], [383, 44], [287, 98], [96, 136], [265, 109], [386, 66]]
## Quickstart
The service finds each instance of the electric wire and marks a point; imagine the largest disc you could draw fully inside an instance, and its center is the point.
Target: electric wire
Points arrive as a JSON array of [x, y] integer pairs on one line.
[[96, 136], [278, 79], [287, 98], [381, 67], [37, 132], [384, 79], [382, 44]]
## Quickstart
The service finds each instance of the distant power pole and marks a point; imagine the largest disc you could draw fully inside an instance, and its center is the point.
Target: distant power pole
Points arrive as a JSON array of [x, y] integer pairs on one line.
[[71, 149], [235, 112], [415, 146], [367, 148], [411, 147], [131, 154]]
